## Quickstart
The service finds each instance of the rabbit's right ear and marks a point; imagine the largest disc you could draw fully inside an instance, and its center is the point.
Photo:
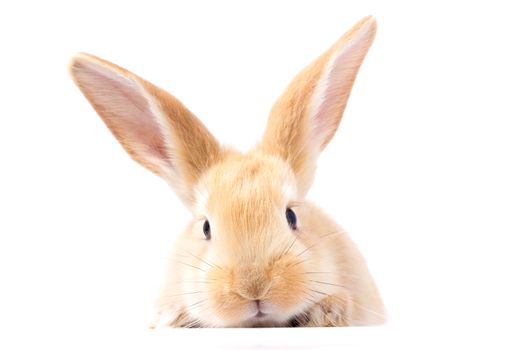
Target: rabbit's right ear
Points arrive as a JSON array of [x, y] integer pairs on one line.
[[153, 127]]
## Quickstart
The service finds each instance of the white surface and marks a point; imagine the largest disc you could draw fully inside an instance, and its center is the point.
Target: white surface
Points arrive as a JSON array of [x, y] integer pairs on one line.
[[426, 171]]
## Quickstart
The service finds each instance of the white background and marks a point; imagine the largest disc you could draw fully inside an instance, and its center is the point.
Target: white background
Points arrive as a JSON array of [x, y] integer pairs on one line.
[[427, 170]]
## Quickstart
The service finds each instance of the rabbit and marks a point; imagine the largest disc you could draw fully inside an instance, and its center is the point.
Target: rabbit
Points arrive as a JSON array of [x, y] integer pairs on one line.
[[256, 253]]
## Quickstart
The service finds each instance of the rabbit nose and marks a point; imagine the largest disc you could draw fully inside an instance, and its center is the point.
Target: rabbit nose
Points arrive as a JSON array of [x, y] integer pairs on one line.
[[253, 285], [253, 291]]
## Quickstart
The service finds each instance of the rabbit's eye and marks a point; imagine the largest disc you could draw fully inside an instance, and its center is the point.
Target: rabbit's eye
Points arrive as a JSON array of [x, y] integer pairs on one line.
[[292, 219], [206, 230]]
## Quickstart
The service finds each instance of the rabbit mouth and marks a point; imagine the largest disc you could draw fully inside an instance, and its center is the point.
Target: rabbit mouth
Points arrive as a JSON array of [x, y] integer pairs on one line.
[[260, 314], [261, 310], [261, 318]]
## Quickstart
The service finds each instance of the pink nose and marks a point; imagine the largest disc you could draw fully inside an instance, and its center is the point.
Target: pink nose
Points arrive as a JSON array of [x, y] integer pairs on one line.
[[260, 312]]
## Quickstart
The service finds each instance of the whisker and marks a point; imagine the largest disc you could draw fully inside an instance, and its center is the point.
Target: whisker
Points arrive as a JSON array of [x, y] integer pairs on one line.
[[183, 263], [367, 309], [323, 293], [331, 284], [310, 300], [310, 297], [209, 281], [289, 248], [187, 293], [319, 240], [204, 261], [198, 303], [192, 324], [298, 262]]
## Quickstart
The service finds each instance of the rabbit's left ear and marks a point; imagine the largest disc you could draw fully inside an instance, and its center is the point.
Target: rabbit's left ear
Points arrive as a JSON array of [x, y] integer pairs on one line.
[[304, 119], [155, 128]]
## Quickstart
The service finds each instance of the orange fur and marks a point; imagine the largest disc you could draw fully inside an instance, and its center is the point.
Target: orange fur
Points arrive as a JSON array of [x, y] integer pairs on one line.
[[311, 276], [289, 129]]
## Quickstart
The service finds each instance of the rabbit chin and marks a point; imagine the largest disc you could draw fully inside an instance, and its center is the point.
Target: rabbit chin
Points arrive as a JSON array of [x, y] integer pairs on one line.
[[267, 316], [264, 320]]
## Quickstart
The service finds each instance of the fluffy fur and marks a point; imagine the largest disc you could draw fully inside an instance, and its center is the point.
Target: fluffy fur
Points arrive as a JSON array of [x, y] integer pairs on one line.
[[255, 270]]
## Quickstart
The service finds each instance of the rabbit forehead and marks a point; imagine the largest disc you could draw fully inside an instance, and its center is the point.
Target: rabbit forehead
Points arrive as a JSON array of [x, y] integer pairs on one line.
[[246, 189]]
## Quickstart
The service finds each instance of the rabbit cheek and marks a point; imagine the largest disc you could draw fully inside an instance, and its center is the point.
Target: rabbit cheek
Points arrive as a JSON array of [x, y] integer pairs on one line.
[[288, 288], [225, 303]]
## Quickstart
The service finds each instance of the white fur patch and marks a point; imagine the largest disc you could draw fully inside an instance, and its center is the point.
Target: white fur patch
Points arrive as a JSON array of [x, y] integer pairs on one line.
[[167, 166], [201, 196], [289, 190]]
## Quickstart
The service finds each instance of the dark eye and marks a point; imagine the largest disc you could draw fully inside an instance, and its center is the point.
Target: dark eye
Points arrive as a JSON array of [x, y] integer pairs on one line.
[[206, 230], [292, 219]]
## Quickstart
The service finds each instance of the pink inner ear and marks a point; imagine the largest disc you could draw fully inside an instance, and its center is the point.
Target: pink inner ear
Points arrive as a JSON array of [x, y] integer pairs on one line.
[[332, 90], [124, 107], [336, 88]]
